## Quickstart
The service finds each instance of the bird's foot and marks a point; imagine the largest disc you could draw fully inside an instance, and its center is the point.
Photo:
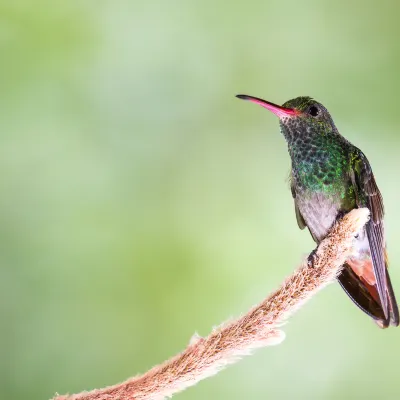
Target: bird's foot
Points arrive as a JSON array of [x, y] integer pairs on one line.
[[312, 259]]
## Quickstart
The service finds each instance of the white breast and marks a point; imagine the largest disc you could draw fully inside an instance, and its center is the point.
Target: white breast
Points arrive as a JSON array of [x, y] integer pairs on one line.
[[319, 212]]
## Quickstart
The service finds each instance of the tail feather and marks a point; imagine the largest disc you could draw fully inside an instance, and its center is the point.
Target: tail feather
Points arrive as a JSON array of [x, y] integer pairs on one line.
[[361, 296], [364, 294]]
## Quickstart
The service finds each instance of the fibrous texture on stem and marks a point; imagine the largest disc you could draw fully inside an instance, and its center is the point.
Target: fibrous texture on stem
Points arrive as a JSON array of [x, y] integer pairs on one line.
[[259, 327]]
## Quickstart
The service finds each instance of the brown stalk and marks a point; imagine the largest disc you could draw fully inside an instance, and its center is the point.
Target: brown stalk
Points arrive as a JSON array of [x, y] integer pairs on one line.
[[226, 344]]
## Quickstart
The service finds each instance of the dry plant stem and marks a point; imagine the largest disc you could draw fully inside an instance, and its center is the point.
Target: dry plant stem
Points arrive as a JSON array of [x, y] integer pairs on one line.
[[226, 344]]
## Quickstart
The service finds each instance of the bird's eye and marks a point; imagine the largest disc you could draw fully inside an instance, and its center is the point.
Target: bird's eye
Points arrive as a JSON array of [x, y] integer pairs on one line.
[[313, 111]]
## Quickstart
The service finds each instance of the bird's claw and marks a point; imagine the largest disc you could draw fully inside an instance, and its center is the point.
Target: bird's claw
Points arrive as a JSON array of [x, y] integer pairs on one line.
[[312, 259]]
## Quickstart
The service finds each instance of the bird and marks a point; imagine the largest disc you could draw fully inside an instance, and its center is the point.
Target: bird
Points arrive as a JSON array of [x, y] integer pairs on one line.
[[329, 177]]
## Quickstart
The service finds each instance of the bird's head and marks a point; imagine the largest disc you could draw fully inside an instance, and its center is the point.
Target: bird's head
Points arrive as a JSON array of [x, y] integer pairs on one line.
[[298, 117]]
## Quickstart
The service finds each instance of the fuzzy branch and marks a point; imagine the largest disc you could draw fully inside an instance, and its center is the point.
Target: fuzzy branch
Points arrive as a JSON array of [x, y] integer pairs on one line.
[[226, 344]]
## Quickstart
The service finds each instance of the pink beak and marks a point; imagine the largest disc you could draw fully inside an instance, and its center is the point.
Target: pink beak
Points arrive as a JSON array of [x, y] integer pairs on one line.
[[277, 110]]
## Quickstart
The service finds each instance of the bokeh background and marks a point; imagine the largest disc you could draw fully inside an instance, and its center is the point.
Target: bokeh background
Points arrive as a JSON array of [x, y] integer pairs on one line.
[[141, 202]]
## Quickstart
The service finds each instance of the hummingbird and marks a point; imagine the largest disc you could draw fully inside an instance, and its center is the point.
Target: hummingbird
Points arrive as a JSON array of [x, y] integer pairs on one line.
[[329, 177]]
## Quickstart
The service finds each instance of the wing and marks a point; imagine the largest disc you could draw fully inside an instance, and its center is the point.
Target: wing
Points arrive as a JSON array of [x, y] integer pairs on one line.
[[368, 195], [299, 217]]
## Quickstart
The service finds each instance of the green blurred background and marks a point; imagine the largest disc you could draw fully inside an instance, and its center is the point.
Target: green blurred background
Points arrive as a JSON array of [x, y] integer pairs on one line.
[[141, 202]]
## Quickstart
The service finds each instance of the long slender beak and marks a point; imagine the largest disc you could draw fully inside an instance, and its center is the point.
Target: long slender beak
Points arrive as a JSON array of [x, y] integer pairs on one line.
[[277, 110]]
